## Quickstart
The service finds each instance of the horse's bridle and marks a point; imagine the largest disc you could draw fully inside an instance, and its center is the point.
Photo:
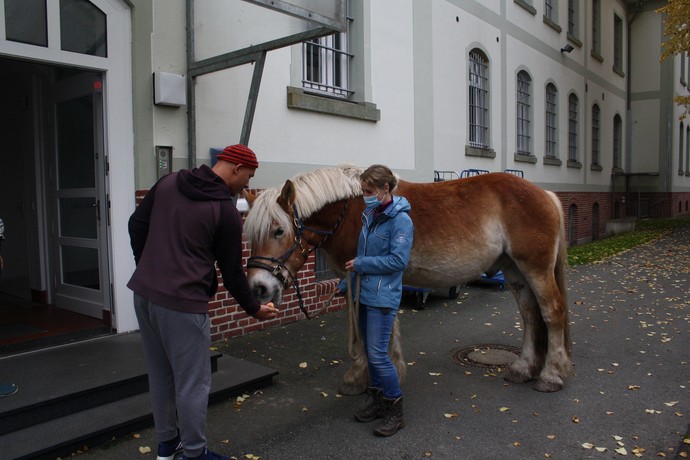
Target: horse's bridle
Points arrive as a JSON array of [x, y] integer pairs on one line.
[[277, 265]]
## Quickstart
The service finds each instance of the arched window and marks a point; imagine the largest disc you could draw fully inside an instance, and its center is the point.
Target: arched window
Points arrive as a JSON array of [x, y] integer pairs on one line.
[[551, 120], [573, 127], [478, 99], [523, 117]]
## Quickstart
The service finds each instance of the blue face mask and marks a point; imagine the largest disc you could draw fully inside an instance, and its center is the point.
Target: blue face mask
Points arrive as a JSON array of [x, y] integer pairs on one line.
[[371, 201]]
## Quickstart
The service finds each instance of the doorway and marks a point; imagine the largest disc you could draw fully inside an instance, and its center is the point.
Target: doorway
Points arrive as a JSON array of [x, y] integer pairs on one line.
[[53, 201]]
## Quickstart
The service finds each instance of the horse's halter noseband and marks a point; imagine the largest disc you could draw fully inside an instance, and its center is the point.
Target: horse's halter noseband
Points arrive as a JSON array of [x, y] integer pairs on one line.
[[277, 265]]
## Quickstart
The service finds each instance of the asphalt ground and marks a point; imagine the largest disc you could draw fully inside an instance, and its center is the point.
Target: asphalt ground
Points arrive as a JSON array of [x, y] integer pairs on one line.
[[628, 395]]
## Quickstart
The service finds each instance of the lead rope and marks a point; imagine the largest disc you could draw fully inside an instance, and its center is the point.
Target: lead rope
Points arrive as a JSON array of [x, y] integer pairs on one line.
[[353, 318]]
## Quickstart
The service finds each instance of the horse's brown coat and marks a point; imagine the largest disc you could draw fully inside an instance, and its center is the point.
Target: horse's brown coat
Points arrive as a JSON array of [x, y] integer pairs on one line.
[[463, 228]]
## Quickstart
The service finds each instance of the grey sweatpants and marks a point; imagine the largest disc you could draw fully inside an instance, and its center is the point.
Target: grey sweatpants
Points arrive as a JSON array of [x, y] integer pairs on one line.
[[176, 349]]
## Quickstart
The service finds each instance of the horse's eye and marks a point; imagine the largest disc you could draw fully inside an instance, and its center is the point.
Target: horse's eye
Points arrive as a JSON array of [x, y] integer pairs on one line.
[[279, 232]]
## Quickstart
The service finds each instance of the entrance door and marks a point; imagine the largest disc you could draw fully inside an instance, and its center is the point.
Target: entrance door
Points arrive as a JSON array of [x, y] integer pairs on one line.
[[79, 203], [16, 169]]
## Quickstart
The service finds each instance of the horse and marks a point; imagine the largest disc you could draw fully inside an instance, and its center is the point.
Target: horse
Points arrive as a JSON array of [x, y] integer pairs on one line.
[[463, 228]]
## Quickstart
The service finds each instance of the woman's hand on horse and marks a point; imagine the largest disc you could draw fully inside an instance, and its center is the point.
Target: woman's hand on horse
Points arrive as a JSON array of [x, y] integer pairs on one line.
[[267, 311]]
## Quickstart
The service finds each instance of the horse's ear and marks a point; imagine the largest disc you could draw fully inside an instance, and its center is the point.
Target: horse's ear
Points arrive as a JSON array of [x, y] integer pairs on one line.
[[250, 197], [287, 194]]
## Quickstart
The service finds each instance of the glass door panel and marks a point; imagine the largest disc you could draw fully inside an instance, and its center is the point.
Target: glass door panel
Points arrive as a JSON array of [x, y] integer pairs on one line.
[[79, 222]]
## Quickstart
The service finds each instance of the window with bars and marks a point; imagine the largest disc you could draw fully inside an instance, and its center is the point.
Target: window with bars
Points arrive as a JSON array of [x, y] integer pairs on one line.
[[595, 134], [322, 271], [551, 121], [617, 43], [617, 142], [326, 65], [478, 100], [523, 116], [572, 128]]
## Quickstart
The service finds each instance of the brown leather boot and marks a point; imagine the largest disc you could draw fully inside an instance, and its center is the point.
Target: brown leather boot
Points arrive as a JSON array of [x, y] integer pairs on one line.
[[373, 410], [392, 417]]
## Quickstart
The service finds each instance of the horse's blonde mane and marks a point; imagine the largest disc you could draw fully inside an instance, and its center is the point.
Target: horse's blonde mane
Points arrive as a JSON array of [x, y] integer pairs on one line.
[[313, 190]]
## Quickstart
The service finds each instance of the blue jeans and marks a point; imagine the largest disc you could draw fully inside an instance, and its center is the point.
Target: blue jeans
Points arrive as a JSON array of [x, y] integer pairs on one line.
[[375, 325]]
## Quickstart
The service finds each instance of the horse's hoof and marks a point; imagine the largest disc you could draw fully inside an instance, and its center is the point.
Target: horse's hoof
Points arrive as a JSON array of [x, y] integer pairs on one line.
[[351, 390], [548, 387], [516, 377]]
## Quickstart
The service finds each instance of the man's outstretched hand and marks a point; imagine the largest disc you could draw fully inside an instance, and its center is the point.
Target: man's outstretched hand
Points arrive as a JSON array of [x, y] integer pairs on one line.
[[267, 311]]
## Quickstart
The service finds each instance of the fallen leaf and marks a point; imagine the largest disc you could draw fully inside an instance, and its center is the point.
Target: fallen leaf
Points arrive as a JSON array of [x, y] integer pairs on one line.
[[324, 394], [303, 365], [453, 415], [576, 420], [622, 451], [671, 404], [225, 441], [434, 373], [144, 450], [601, 449], [587, 445], [551, 436], [504, 409]]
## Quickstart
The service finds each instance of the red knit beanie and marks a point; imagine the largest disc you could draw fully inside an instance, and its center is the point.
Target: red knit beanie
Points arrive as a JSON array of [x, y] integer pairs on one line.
[[240, 155]]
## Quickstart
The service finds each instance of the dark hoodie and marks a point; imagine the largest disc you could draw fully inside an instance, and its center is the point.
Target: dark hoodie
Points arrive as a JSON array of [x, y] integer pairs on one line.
[[186, 223]]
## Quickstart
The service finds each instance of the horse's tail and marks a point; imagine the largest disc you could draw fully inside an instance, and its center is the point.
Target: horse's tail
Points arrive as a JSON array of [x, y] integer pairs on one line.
[[560, 271]]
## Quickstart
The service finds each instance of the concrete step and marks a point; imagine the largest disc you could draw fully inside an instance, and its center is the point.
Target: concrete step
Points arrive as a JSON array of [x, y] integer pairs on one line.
[[86, 393]]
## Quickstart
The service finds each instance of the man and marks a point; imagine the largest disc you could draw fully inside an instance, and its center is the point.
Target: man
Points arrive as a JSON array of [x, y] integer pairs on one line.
[[186, 223]]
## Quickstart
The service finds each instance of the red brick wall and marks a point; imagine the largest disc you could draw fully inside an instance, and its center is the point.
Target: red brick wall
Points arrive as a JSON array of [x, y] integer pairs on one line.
[[228, 319]]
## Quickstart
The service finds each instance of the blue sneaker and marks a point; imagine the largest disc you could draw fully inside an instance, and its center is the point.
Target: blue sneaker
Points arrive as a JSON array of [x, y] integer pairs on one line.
[[169, 449], [207, 455]]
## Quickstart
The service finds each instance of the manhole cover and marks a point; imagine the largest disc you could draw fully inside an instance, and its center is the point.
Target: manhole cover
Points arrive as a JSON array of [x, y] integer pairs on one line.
[[487, 356]]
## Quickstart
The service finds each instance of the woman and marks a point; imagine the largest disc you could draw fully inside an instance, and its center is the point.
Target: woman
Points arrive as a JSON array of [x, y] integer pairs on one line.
[[383, 252]]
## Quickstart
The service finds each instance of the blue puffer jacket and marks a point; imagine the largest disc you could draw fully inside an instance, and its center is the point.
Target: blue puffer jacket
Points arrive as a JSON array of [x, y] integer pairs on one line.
[[383, 252]]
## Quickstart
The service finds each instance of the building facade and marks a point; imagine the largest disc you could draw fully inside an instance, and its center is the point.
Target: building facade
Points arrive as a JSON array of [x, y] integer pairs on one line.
[[102, 97]]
